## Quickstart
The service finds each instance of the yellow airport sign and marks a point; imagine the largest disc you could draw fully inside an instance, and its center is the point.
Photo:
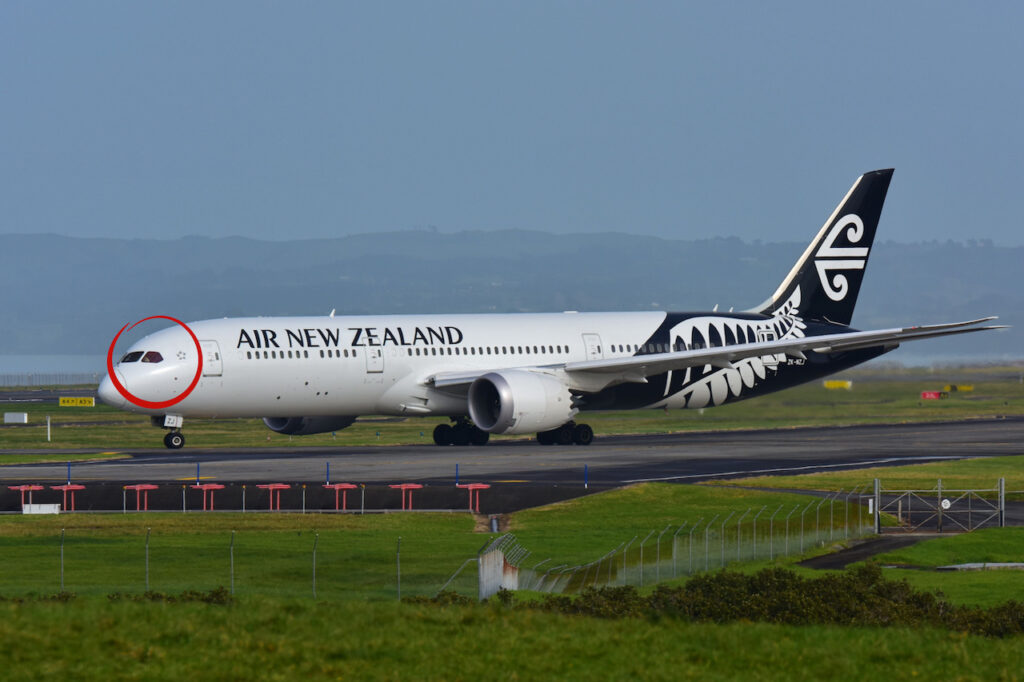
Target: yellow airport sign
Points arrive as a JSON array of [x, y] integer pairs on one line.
[[960, 388], [76, 402], [838, 385]]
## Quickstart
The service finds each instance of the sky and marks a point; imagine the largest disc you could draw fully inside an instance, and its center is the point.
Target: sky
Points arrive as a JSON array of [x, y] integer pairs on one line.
[[683, 120]]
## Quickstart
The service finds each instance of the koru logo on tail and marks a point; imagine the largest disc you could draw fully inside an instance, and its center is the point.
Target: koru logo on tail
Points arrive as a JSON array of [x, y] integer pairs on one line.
[[831, 258]]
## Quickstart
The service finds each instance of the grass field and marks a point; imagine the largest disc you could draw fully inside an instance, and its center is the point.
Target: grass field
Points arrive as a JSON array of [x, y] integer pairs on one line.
[[356, 554], [890, 397], [966, 474], [275, 639], [356, 629]]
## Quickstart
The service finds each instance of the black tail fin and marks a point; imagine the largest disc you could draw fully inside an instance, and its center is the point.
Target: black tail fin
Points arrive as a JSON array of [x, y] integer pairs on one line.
[[824, 283]]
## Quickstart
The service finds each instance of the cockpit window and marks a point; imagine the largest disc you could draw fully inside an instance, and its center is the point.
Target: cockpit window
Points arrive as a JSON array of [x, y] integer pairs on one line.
[[152, 356], [132, 357]]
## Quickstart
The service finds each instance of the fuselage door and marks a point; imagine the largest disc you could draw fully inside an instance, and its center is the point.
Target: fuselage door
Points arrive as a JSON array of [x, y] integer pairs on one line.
[[211, 358], [374, 360], [592, 342]]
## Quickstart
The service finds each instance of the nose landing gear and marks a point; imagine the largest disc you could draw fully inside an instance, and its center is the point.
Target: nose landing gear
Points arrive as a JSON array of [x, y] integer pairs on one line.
[[174, 440]]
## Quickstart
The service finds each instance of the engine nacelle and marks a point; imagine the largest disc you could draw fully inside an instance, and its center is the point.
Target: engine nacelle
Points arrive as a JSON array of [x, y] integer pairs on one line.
[[519, 401], [306, 426]]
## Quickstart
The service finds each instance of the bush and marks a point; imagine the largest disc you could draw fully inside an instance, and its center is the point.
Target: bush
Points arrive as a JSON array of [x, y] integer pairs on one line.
[[860, 596]]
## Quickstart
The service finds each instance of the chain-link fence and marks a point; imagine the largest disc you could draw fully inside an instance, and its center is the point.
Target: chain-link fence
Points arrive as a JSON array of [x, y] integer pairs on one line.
[[709, 542]]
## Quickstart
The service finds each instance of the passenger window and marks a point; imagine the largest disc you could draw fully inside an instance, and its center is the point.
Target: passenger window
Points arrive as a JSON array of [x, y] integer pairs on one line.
[[132, 357], [152, 356]]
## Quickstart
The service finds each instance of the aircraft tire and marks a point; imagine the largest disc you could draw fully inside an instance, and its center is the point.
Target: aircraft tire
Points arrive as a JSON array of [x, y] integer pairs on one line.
[[478, 436], [563, 434], [460, 434], [443, 434], [545, 438], [582, 434], [174, 440]]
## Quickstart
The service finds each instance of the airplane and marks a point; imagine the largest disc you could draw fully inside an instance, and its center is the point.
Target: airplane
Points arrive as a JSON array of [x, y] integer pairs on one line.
[[522, 373]]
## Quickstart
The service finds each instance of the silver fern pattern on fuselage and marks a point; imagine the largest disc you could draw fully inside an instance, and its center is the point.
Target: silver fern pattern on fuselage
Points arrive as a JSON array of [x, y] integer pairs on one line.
[[710, 386]]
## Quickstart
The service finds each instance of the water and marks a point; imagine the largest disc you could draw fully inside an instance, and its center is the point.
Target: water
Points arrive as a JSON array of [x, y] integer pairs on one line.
[[52, 364]]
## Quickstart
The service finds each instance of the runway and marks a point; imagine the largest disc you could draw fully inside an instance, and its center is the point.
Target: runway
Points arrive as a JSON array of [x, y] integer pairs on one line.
[[609, 461]]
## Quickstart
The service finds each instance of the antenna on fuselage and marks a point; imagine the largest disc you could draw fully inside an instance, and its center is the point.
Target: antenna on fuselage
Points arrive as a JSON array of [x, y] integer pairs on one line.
[[333, 310]]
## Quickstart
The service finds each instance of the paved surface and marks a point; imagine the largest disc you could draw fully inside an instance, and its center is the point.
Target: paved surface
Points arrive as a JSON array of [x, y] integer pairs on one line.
[[610, 461], [865, 550]]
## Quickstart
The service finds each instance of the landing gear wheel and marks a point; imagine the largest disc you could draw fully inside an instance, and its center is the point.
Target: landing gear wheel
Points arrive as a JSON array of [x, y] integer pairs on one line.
[[443, 434], [479, 437], [563, 434], [582, 434], [460, 434], [174, 440]]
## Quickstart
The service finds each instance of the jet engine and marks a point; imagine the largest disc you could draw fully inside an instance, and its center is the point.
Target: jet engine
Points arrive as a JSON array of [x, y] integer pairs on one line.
[[519, 401], [306, 426]]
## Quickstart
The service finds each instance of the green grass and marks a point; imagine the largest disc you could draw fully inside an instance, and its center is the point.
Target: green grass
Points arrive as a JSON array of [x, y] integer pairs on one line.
[[356, 629], [356, 554], [272, 639], [981, 588], [989, 545], [966, 474], [895, 398]]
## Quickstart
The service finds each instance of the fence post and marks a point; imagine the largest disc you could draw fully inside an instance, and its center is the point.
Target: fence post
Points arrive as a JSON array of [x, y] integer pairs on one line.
[[707, 551], [721, 532], [831, 514], [689, 545], [642, 557], [753, 555], [1002, 502], [817, 519], [806, 509], [738, 522], [938, 502], [147, 558], [657, 559], [231, 556], [674, 545], [624, 553], [771, 534], [878, 501], [795, 507]]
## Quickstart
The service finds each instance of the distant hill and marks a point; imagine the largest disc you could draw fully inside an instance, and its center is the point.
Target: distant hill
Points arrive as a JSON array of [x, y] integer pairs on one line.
[[70, 295]]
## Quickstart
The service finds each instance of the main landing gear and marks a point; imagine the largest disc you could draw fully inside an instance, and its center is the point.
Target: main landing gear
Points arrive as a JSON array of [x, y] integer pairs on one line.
[[462, 432], [567, 434]]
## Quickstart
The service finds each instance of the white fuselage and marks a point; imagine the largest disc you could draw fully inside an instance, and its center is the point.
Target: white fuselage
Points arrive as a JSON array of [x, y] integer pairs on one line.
[[309, 366]]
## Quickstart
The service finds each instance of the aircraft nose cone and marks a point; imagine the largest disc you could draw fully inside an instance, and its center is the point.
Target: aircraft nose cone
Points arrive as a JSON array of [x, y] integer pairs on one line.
[[109, 394]]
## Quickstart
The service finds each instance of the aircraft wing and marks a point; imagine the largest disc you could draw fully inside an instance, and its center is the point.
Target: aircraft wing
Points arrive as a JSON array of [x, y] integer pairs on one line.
[[724, 356], [638, 367]]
